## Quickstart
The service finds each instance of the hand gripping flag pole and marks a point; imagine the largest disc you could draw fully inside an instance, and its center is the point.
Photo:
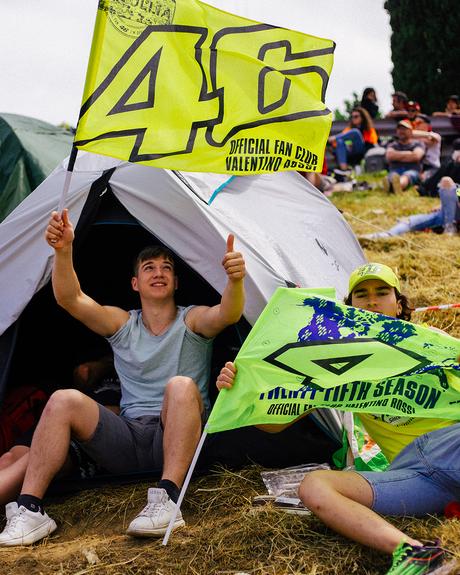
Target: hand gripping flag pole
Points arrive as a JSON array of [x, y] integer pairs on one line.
[[185, 485]]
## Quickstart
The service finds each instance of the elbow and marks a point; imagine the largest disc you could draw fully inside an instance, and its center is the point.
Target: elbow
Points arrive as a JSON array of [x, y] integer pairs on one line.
[[65, 300], [233, 318]]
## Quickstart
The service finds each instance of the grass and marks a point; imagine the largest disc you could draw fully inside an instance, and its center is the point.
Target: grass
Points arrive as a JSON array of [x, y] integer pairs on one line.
[[225, 534]]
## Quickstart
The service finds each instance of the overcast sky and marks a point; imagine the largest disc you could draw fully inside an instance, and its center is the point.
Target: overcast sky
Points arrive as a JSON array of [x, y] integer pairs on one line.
[[44, 48]]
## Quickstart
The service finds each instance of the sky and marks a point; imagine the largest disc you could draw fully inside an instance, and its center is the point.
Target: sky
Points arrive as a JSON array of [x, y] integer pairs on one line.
[[45, 44]]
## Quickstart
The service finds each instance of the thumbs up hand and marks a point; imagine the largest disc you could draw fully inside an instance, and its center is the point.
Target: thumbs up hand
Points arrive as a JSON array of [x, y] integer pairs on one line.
[[233, 262]]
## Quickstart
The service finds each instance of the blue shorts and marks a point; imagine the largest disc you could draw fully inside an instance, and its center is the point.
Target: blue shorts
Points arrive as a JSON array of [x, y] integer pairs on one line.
[[413, 175], [423, 478]]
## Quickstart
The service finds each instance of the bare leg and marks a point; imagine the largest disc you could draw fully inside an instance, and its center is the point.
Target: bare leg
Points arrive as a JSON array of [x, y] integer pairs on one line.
[[11, 478], [404, 182], [15, 453], [181, 418], [342, 499], [68, 412]]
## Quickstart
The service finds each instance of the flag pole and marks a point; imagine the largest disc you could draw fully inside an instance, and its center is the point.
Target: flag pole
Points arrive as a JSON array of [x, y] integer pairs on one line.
[[185, 485], [68, 177]]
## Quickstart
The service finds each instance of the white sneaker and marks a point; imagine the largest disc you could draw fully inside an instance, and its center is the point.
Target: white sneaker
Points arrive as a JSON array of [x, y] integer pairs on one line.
[[375, 236], [450, 229], [154, 519], [24, 527]]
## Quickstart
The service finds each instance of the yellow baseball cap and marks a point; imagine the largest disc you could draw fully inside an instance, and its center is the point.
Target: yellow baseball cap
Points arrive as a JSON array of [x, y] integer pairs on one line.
[[373, 271]]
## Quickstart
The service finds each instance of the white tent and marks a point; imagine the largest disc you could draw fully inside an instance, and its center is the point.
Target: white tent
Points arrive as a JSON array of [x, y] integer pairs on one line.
[[288, 231]]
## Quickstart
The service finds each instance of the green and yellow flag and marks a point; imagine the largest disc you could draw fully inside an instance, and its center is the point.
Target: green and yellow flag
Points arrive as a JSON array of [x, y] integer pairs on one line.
[[307, 350], [179, 84]]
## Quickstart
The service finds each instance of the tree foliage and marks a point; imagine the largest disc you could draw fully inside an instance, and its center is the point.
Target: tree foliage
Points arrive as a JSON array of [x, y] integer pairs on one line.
[[425, 49], [348, 107]]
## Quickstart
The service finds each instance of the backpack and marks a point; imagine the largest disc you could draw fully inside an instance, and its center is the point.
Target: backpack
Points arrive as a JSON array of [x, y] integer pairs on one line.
[[19, 414]]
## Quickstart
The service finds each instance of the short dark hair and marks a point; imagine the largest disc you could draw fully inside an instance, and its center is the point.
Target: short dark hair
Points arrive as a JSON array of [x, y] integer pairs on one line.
[[401, 96], [406, 308], [151, 253]]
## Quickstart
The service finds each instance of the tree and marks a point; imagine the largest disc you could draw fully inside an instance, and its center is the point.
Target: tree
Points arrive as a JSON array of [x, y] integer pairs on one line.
[[425, 50], [349, 105]]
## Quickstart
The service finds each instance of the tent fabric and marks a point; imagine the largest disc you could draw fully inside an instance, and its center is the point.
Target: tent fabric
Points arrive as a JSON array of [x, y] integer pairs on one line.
[[289, 232], [29, 150]]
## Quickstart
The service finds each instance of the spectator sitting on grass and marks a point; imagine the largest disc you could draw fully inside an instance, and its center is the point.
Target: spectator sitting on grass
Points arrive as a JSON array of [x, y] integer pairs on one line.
[[404, 157], [451, 168], [424, 474], [354, 141], [423, 132], [444, 217]]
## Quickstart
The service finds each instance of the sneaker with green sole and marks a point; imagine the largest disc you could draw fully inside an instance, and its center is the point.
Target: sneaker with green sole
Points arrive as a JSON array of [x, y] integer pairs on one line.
[[416, 560]]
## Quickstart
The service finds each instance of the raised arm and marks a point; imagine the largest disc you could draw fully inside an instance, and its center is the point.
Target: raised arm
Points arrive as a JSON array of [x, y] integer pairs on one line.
[[104, 320], [209, 321]]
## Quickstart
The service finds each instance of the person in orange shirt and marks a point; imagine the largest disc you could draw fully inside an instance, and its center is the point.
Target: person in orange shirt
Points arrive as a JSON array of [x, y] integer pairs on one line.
[[354, 141]]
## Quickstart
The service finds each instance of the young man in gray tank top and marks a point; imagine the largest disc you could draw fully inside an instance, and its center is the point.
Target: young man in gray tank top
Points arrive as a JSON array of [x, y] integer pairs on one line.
[[162, 355]]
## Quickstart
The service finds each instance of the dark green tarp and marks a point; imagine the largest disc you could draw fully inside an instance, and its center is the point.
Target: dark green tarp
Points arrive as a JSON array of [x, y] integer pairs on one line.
[[29, 151]]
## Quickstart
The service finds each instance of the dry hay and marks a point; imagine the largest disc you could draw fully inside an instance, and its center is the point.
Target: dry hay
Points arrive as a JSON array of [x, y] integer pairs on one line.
[[224, 533], [427, 263]]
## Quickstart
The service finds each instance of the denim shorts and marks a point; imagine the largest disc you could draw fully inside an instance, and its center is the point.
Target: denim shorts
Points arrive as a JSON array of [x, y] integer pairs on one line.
[[123, 445], [423, 478], [413, 175]]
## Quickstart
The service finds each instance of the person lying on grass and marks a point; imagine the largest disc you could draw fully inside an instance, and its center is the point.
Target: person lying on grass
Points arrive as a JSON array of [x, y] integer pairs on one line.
[[445, 217], [424, 475]]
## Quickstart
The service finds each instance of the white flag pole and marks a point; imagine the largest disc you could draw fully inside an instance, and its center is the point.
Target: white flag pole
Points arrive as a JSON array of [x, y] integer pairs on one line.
[[68, 177], [190, 471]]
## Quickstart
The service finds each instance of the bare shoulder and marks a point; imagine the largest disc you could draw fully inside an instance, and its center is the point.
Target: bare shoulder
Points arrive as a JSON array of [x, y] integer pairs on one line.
[[117, 318], [193, 316]]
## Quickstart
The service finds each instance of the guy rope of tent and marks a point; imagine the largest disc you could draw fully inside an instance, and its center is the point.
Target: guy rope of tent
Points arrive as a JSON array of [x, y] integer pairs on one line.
[[273, 119], [438, 307]]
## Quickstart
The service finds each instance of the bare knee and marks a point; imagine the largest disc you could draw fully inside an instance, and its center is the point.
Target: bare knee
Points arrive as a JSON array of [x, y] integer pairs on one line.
[[11, 456], [7, 459], [314, 489], [64, 403], [182, 391]]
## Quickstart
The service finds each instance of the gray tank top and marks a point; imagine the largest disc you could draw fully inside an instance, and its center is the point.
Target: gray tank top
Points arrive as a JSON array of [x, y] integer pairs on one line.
[[145, 362]]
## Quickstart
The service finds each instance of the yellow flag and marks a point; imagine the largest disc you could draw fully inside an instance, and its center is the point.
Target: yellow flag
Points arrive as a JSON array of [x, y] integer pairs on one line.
[[179, 84]]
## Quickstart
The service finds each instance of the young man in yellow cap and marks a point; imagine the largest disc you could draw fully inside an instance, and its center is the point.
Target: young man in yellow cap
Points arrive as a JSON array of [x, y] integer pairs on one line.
[[424, 475]]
